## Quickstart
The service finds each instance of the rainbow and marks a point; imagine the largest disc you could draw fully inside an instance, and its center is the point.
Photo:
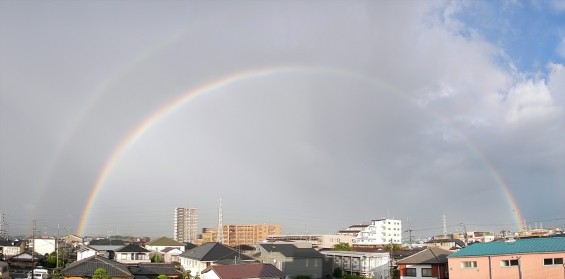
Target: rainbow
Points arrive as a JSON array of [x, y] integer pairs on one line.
[[169, 108]]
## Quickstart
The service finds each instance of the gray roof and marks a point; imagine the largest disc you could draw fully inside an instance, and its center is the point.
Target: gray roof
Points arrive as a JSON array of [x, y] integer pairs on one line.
[[254, 270], [107, 241], [291, 251], [213, 251], [154, 269], [87, 267], [432, 255], [7, 243], [133, 248]]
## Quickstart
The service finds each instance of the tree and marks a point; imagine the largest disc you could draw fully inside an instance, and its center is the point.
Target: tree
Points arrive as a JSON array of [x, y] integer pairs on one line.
[[342, 247], [338, 272], [395, 247], [156, 258], [101, 273]]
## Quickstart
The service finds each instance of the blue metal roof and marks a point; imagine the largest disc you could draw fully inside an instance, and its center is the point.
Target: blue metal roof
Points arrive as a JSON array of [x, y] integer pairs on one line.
[[519, 246]]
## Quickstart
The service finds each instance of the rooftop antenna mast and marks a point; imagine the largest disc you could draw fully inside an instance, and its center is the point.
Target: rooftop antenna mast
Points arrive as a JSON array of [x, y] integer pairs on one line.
[[220, 237]]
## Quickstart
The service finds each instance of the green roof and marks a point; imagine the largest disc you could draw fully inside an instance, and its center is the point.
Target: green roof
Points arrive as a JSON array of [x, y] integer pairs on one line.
[[519, 246], [164, 241]]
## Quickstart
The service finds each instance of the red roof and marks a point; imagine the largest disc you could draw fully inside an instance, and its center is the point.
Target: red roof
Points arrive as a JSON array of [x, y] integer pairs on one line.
[[241, 271]]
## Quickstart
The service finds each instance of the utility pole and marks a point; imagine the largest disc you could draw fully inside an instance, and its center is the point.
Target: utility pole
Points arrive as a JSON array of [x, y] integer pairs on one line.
[[465, 232], [33, 248], [57, 246]]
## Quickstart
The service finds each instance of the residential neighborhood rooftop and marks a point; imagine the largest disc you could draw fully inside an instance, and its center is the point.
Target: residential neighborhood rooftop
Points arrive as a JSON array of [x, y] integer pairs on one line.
[[518, 246]]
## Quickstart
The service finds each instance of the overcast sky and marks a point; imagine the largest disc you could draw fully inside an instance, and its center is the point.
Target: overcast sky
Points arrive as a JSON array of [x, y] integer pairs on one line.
[[324, 114]]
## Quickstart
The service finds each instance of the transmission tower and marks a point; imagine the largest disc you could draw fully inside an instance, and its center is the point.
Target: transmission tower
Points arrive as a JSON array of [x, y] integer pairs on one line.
[[220, 237], [444, 226], [3, 225]]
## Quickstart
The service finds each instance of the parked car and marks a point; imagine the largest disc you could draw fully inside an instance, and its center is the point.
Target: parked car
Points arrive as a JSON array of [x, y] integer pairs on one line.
[[38, 273]]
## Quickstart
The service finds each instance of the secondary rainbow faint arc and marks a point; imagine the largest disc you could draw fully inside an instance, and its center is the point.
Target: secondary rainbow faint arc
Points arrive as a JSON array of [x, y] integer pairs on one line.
[[171, 106]]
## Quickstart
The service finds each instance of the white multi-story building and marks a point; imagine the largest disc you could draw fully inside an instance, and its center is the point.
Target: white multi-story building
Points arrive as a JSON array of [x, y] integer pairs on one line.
[[373, 265], [380, 232], [316, 241], [185, 224]]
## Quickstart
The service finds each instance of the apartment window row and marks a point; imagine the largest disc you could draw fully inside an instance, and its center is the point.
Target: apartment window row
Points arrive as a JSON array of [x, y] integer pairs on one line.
[[469, 264], [412, 272], [553, 261], [509, 263], [514, 262]]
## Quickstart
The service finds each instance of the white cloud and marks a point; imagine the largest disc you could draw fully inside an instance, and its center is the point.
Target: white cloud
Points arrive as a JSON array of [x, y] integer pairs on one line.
[[530, 101]]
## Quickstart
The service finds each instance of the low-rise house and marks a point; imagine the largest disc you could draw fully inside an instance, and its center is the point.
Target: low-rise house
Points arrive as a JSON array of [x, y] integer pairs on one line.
[[87, 252], [292, 260], [132, 254], [530, 258], [42, 245], [161, 243], [85, 268], [10, 248], [153, 270], [318, 241], [243, 271], [105, 247], [447, 244], [198, 259], [26, 260], [368, 264], [170, 255], [429, 263]]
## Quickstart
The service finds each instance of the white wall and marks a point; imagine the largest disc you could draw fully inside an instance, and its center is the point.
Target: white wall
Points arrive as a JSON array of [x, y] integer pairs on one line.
[[43, 246]]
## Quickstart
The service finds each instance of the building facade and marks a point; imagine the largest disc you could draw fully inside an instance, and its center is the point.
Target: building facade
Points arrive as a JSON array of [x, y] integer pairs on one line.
[[373, 265], [185, 224], [380, 232], [240, 234], [426, 264], [531, 258], [318, 241]]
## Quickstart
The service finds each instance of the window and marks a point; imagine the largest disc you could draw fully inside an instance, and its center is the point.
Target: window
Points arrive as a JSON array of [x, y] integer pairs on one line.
[[509, 263], [410, 272], [553, 261], [124, 256], [426, 272], [469, 264]]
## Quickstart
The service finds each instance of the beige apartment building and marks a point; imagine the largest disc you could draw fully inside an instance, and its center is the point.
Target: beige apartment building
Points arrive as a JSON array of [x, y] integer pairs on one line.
[[240, 234]]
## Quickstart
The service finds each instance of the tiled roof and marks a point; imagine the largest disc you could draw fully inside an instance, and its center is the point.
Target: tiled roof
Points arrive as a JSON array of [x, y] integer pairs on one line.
[[212, 251], [241, 271], [291, 251], [7, 243], [107, 241], [165, 241], [87, 267], [519, 246], [155, 269], [432, 255], [133, 248], [458, 242]]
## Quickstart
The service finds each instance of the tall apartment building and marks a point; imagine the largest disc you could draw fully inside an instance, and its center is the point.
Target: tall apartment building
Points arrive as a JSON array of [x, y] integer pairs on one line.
[[380, 232], [185, 224], [240, 234]]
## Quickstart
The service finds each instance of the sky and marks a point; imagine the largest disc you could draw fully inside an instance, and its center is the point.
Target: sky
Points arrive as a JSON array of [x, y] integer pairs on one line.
[[315, 115]]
